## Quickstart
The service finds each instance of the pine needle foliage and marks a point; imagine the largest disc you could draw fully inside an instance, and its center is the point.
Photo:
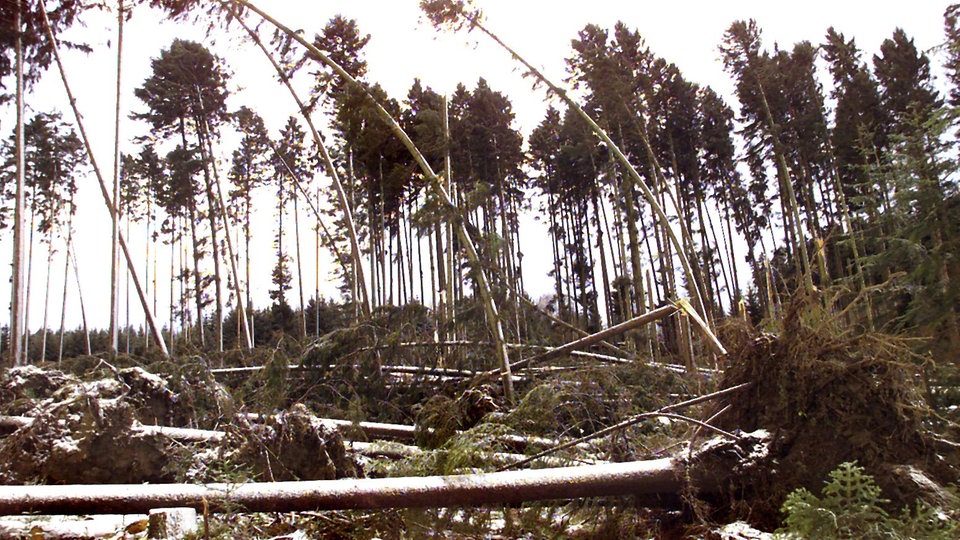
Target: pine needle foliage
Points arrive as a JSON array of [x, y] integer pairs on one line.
[[852, 507]]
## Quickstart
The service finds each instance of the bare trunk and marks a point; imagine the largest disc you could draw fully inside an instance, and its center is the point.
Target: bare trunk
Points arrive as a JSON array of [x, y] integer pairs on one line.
[[296, 234], [213, 209], [46, 301], [446, 262], [17, 279], [316, 267], [786, 185], [26, 301], [115, 221], [72, 255], [126, 297], [66, 279], [654, 477]]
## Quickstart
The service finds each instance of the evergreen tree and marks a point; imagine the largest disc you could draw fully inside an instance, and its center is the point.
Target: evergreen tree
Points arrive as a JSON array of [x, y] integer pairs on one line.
[[859, 135], [289, 166], [762, 94], [906, 88], [25, 54], [248, 172], [186, 95]]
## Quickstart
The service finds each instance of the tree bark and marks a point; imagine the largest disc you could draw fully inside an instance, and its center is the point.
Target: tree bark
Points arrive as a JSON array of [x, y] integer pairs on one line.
[[66, 280], [660, 477], [115, 222], [46, 300], [72, 256], [17, 321]]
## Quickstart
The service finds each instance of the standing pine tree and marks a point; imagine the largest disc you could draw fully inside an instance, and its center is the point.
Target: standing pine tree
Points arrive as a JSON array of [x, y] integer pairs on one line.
[[186, 95], [24, 55]]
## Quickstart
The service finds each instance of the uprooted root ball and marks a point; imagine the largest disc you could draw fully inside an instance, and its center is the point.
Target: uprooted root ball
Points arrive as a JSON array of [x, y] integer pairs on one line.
[[84, 440], [293, 445], [829, 397]]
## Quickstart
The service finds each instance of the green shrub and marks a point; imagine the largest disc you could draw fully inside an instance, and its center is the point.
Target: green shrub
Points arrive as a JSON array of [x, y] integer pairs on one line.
[[852, 507]]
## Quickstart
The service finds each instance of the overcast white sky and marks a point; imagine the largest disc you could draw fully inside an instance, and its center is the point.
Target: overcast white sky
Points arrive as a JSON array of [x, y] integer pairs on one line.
[[403, 46]]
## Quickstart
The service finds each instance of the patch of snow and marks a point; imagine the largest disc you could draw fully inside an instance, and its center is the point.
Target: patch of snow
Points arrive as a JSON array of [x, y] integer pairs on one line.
[[99, 526], [295, 535], [102, 387], [199, 464], [761, 450], [154, 381], [66, 446], [712, 444], [739, 530]]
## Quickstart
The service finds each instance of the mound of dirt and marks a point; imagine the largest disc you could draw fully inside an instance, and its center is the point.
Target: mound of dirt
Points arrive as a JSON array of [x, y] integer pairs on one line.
[[83, 439], [89, 432], [828, 397]]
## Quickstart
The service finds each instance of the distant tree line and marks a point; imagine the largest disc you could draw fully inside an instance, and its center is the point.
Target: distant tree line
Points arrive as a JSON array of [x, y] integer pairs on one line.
[[849, 192]]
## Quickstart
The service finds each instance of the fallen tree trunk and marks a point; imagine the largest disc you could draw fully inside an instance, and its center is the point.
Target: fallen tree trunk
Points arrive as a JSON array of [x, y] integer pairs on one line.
[[452, 373], [405, 433], [72, 527], [369, 430], [636, 322], [658, 477], [12, 423], [397, 451]]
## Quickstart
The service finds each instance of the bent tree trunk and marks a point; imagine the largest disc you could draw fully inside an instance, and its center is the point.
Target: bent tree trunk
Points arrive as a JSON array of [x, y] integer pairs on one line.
[[653, 478], [459, 11], [494, 322], [345, 208]]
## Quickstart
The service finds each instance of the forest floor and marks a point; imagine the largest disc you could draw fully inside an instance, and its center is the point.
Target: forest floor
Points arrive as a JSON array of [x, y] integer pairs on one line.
[[814, 398]]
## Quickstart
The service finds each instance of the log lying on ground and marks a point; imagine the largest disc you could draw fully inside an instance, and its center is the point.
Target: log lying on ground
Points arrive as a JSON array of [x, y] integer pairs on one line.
[[636, 322], [11, 423], [499, 459], [72, 527], [654, 478], [369, 430], [372, 430], [444, 372], [406, 433]]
